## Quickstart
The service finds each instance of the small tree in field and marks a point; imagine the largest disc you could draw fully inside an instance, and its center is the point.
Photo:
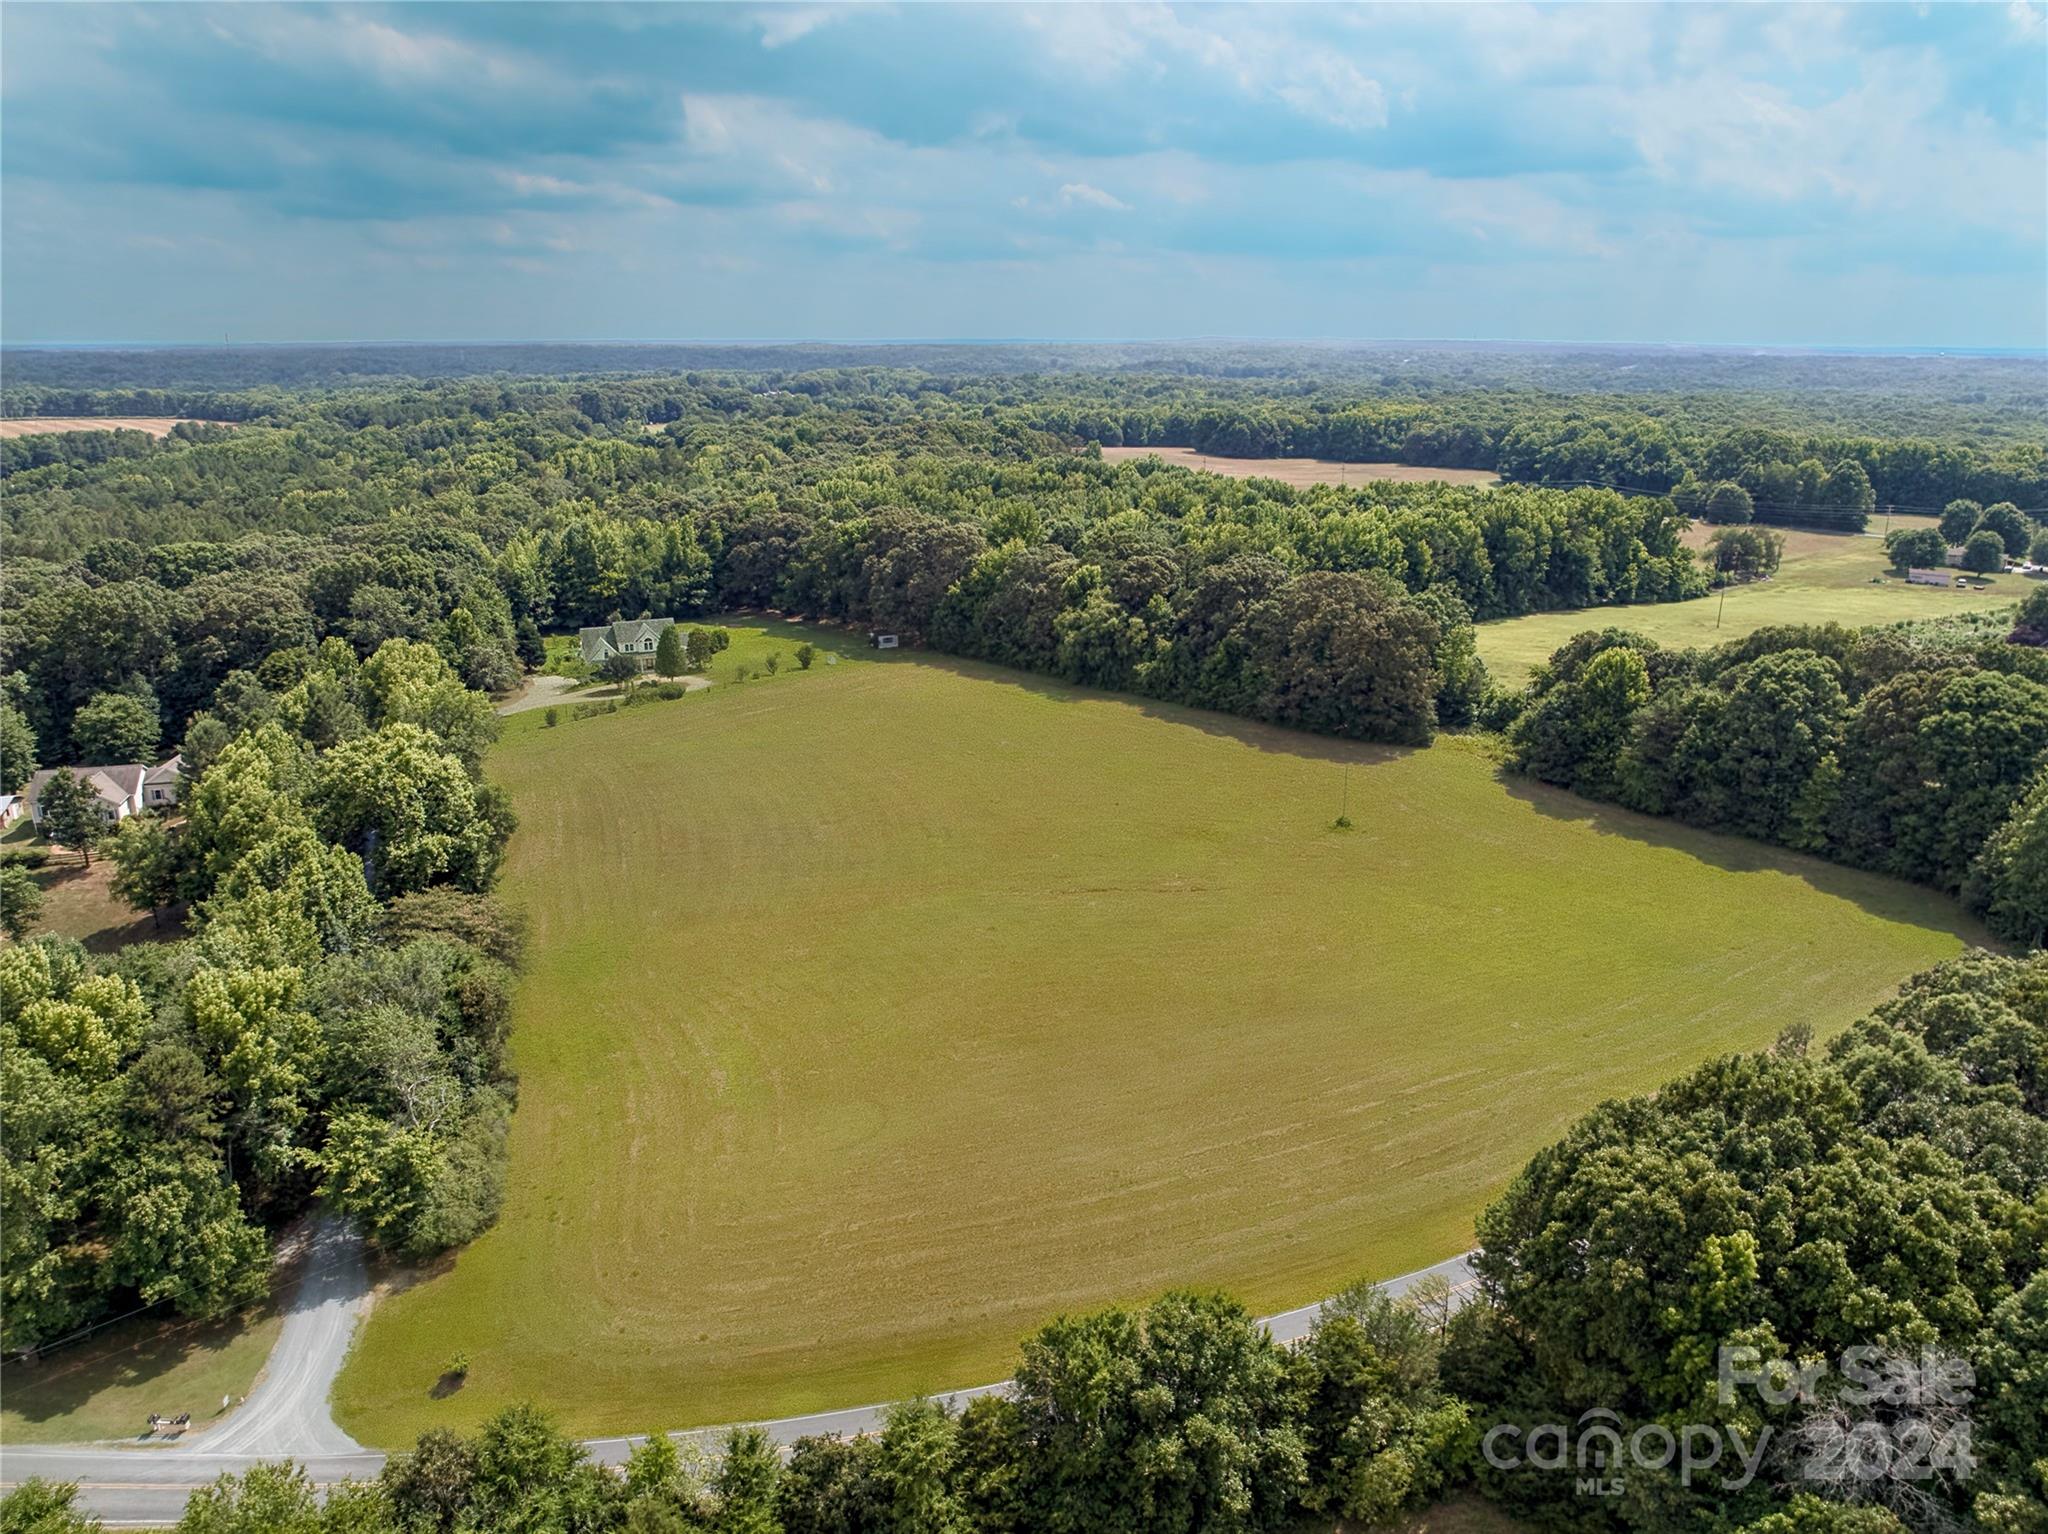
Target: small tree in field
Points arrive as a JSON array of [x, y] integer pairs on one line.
[[773, 663], [1984, 554], [1920, 548], [71, 813], [703, 644], [669, 658], [21, 901], [805, 654]]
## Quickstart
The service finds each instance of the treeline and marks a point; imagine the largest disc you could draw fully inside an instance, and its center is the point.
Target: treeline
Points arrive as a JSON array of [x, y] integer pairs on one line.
[[1885, 1191], [1919, 750], [150, 579], [333, 1028], [1790, 476]]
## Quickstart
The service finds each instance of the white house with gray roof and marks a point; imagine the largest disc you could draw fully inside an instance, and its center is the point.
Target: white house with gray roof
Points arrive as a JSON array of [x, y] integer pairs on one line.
[[634, 638], [125, 789]]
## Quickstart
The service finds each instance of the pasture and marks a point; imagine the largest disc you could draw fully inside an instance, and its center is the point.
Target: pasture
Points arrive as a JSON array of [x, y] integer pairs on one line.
[[876, 1014], [1824, 578], [1300, 472]]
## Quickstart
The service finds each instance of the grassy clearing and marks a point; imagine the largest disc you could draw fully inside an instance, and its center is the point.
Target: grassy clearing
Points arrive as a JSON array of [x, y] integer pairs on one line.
[[107, 1386], [877, 1014], [79, 902], [1825, 578]]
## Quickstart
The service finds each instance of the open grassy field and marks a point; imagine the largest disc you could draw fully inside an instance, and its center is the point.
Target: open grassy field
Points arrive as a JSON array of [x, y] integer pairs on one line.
[[33, 426], [875, 1015], [1825, 578], [106, 1386], [1301, 471]]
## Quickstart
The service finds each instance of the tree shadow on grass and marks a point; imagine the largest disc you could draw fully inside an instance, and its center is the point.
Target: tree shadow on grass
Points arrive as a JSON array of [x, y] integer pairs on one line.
[[128, 1355], [1278, 739], [1878, 895]]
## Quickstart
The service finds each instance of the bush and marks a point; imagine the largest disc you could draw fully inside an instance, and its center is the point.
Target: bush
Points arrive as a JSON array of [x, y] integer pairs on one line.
[[552, 717], [806, 653]]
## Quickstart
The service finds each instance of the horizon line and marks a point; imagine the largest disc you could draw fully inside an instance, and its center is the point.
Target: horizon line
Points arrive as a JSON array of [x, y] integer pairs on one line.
[[1900, 349]]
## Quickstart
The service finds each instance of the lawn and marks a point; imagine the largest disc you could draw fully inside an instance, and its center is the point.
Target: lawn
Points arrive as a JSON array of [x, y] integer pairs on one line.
[[107, 1385], [756, 640], [875, 1015], [1825, 578], [79, 902]]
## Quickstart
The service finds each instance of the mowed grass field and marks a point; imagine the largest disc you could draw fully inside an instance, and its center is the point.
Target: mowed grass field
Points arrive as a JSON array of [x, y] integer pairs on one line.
[[875, 1015], [1825, 578]]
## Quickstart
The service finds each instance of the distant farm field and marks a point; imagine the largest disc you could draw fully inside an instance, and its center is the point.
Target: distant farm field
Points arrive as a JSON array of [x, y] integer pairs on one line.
[[878, 1013], [1301, 471], [1825, 578], [32, 426]]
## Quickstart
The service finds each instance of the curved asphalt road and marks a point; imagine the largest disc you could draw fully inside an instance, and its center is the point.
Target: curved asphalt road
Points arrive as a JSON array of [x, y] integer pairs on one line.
[[286, 1415]]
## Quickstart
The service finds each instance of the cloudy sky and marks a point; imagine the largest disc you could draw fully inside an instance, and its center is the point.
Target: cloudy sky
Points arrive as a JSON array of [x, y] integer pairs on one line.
[[1809, 174]]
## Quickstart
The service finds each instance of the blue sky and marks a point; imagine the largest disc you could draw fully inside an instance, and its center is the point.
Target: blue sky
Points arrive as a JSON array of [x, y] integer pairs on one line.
[[1871, 175]]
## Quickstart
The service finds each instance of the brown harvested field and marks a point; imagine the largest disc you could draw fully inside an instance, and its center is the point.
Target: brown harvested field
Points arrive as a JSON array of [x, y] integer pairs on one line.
[[1300, 471], [40, 425]]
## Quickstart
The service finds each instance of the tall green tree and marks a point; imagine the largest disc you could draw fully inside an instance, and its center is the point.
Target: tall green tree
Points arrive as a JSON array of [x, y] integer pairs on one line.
[[116, 727], [669, 658], [17, 750], [69, 813], [21, 900]]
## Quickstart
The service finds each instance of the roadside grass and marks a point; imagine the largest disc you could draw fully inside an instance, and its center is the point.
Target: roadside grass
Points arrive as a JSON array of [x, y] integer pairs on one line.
[[1825, 578], [870, 1022], [106, 1386]]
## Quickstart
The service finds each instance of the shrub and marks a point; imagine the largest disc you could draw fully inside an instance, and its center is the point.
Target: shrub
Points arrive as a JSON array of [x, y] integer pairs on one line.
[[806, 653], [552, 717]]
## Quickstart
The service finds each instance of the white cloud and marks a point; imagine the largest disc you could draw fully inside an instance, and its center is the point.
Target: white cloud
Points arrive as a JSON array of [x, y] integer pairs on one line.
[[1079, 193]]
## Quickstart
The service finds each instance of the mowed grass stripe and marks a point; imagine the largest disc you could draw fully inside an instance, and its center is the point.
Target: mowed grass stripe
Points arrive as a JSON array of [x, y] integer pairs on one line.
[[872, 1018]]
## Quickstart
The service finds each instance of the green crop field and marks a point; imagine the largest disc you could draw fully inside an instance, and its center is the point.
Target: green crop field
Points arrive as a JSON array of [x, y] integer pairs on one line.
[[876, 1014], [1825, 578]]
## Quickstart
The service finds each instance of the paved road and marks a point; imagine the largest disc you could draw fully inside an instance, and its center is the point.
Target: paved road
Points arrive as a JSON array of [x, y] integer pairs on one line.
[[286, 1416]]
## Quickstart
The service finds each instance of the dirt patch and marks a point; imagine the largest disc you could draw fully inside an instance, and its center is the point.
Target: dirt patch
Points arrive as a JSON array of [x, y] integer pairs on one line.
[[1301, 472], [39, 425]]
